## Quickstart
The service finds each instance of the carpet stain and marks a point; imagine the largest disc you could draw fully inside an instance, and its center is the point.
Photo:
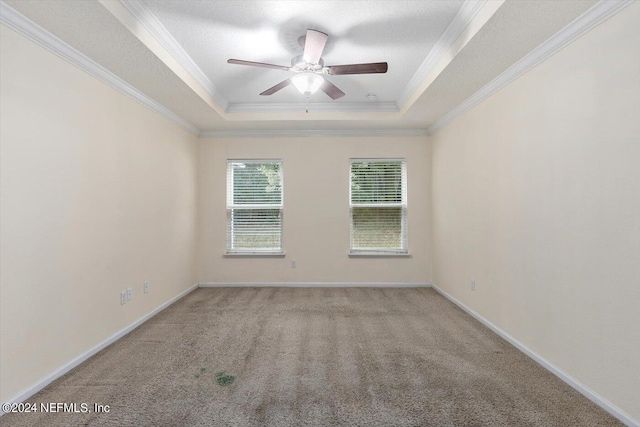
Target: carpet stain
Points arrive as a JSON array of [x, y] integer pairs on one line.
[[223, 379], [202, 370]]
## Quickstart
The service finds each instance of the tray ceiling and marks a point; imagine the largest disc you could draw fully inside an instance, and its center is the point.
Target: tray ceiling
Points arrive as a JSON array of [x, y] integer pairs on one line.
[[174, 52], [400, 33]]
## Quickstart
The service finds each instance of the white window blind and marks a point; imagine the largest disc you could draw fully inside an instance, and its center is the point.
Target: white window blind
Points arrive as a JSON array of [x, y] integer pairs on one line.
[[378, 205], [254, 206]]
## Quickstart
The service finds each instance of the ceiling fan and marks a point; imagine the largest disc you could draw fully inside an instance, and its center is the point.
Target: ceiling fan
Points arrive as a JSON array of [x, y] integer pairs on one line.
[[309, 68]]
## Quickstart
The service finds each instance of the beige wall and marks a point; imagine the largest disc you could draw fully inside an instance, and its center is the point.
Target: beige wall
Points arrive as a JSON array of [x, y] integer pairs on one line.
[[316, 210], [536, 196], [98, 194]]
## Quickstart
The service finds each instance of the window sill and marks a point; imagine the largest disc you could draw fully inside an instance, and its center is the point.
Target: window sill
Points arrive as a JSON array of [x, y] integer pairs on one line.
[[254, 255], [379, 255]]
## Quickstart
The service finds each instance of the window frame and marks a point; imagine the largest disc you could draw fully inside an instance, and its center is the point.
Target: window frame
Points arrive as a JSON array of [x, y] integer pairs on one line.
[[404, 236], [230, 206]]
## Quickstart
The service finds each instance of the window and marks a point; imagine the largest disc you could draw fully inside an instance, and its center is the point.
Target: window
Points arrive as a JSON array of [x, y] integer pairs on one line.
[[254, 206], [378, 204]]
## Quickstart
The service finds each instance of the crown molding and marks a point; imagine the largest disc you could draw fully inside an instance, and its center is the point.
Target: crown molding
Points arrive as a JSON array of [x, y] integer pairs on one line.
[[316, 107], [310, 133], [142, 13], [465, 15], [153, 25], [579, 26], [26, 27]]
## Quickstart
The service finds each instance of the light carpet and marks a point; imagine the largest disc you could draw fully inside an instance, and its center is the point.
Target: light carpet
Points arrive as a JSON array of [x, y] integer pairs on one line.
[[314, 357]]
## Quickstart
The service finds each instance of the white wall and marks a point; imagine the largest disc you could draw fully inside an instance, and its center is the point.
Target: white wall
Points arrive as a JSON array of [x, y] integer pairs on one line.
[[316, 210], [536, 195], [98, 194]]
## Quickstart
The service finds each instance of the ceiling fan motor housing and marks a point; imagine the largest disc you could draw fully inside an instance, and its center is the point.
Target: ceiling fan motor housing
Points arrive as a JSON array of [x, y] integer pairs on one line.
[[299, 65]]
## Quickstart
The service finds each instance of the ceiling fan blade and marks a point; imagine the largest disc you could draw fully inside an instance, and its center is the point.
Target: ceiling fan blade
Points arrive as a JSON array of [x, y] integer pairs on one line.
[[313, 46], [331, 90], [276, 88], [371, 68], [257, 64]]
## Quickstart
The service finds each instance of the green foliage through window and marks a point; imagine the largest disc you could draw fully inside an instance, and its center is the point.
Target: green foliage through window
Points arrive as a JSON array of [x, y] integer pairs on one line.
[[376, 182], [378, 206], [257, 183], [254, 207]]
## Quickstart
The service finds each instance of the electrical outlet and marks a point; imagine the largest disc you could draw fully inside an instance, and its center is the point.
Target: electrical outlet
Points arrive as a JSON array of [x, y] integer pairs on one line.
[[146, 287], [293, 263], [129, 294], [473, 285], [123, 297]]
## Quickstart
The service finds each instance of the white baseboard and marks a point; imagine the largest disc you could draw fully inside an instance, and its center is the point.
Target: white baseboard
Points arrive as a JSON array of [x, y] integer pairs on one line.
[[42, 383], [315, 284], [581, 388]]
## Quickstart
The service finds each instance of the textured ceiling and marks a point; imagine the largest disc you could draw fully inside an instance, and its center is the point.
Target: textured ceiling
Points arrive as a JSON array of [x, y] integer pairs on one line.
[[399, 32], [403, 33]]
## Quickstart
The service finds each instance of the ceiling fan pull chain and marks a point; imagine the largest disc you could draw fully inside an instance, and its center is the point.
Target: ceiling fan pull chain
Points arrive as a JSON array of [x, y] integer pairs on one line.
[[307, 106]]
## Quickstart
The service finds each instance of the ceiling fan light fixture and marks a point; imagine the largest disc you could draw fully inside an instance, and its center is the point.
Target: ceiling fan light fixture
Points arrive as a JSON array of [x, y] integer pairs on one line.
[[307, 83]]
